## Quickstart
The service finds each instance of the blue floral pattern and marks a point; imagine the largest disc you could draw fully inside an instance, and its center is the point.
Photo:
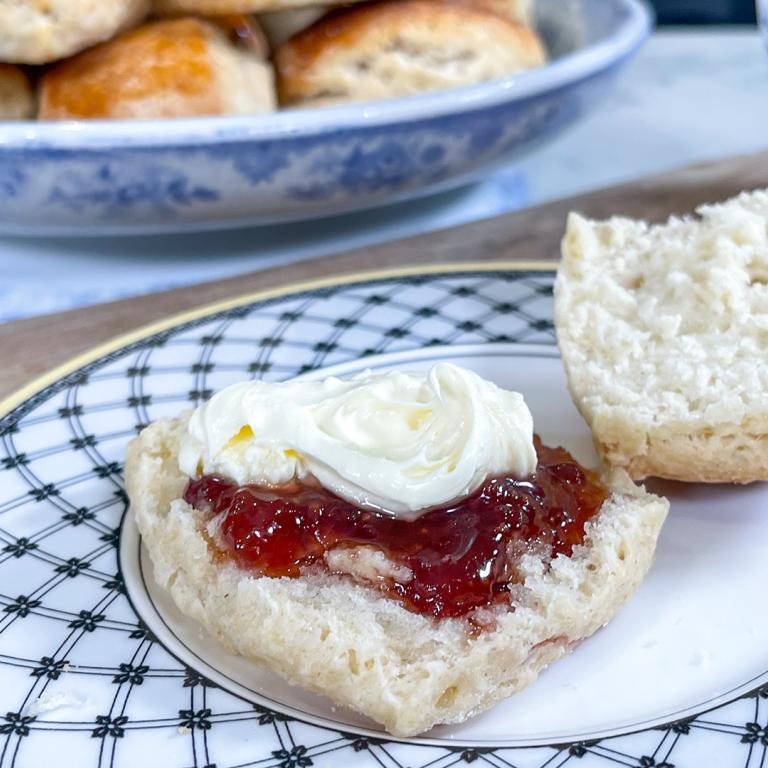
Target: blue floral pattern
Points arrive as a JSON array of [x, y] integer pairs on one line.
[[114, 187]]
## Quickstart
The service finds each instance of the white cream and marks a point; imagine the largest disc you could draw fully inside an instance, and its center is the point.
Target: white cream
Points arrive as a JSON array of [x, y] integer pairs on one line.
[[399, 442]]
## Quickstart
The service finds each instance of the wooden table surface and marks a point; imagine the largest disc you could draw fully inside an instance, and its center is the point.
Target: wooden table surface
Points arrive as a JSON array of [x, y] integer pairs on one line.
[[32, 346]]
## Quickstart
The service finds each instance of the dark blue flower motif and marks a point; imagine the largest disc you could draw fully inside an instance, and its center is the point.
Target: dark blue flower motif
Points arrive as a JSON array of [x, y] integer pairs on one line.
[[21, 606], [73, 567], [267, 716], [115, 187], [79, 516], [755, 733], [16, 723], [109, 726], [113, 537], [17, 460], [361, 743], [192, 679], [20, 547], [42, 493], [143, 632], [681, 727], [192, 719], [579, 748], [49, 667], [296, 758], [87, 621], [131, 674]]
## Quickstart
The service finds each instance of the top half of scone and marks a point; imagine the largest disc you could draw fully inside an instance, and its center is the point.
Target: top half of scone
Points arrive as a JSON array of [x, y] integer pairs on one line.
[[663, 331], [397, 542]]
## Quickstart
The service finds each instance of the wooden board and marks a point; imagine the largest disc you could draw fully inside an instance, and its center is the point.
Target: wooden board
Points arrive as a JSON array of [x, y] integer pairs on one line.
[[32, 346]]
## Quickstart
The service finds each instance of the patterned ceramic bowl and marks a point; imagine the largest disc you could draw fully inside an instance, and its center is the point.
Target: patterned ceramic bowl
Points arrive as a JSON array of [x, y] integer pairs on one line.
[[170, 175]]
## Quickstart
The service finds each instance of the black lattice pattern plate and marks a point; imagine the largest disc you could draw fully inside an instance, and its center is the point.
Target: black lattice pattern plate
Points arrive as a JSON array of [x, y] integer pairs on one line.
[[677, 679]]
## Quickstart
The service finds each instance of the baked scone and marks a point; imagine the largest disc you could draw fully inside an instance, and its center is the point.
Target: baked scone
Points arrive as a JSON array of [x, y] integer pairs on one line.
[[41, 31], [17, 100], [663, 331], [398, 48], [332, 630], [217, 7], [172, 68]]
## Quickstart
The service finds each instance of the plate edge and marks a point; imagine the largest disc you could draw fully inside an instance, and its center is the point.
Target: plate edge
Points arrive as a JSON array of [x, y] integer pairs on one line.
[[18, 396]]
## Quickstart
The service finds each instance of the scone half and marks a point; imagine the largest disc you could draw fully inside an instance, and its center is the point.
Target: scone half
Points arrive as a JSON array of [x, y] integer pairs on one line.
[[343, 639], [663, 332], [399, 48]]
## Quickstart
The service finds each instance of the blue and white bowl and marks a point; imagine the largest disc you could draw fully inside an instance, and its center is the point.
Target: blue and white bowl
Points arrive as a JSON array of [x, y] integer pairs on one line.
[[169, 175]]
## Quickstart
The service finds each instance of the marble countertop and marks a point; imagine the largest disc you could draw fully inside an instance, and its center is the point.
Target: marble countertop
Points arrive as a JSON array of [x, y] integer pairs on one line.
[[690, 95]]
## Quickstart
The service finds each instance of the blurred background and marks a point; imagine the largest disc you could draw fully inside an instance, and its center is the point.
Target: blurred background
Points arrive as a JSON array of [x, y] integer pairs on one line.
[[705, 11]]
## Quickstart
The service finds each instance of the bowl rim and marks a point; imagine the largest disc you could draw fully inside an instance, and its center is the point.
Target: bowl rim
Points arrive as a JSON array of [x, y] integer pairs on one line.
[[297, 123]]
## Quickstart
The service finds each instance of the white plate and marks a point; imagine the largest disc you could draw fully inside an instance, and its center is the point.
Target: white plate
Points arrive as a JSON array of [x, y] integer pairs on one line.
[[678, 678]]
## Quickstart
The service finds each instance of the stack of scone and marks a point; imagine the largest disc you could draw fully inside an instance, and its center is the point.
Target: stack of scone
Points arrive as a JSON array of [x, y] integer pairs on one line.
[[118, 59]]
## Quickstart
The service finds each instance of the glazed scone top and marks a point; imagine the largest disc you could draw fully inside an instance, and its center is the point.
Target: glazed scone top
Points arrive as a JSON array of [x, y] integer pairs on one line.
[[398, 442], [669, 319]]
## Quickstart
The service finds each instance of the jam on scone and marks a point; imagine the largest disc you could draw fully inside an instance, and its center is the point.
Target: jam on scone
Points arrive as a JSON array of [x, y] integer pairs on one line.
[[447, 562], [430, 487]]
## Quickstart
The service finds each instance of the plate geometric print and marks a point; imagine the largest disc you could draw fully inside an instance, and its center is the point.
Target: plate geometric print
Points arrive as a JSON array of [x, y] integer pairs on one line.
[[84, 680]]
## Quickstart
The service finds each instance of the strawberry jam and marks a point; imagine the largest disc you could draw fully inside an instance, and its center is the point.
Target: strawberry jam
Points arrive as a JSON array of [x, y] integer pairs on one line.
[[461, 557]]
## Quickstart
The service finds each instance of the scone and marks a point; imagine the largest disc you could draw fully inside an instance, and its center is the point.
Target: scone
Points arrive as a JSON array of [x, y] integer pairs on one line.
[[398, 48], [217, 7], [173, 68], [17, 101], [41, 31], [273, 536], [663, 331]]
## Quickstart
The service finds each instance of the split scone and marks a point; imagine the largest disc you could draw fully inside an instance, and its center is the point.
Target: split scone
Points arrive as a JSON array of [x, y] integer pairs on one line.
[[17, 100], [41, 31], [399, 48], [397, 542], [185, 67], [663, 331]]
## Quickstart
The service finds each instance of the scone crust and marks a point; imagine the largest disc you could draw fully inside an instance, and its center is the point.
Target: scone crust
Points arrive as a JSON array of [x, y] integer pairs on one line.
[[41, 31], [662, 331], [398, 48], [218, 7], [184, 67], [365, 651]]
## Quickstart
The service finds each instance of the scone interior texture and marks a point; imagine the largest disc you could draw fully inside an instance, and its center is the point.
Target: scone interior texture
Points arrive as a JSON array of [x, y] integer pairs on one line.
[[42, 31], [663, 331], [398, 48], [17, 100], [173, 68], [343, 639]]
